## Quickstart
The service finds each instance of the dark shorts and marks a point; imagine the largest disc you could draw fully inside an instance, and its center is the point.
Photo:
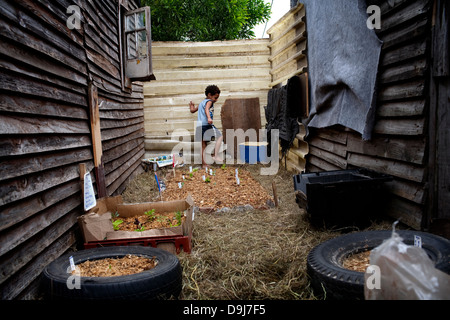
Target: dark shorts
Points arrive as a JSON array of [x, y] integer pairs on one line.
[[208, 133]]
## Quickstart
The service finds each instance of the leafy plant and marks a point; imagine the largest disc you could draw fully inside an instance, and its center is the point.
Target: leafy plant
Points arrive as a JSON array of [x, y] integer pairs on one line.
[[177, 222], [141, 228], [207, 180], [151, 214], [178, 216], [161, 219], [206, 20], [116, 224], [223, 167]]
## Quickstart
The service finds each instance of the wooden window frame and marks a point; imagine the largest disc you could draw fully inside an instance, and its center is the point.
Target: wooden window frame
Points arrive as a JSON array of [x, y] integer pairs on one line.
[[139, 68]]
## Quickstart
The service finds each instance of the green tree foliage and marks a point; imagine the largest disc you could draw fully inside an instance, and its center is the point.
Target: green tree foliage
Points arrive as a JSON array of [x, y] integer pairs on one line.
[[205, 20]]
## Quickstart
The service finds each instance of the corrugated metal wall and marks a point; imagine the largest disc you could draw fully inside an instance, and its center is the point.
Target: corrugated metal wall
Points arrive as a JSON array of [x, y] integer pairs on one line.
[[183, 70], [45, 69]]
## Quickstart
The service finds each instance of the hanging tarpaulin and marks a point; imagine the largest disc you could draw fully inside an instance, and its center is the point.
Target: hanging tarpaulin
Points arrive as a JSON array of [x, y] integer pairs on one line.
[[343, 57], [161, 161]]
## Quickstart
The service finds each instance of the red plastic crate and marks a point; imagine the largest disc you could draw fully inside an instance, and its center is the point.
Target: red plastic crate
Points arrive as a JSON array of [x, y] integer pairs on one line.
[[180, 242]]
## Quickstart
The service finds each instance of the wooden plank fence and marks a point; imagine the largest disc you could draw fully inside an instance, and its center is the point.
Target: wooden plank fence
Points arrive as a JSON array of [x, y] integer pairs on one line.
[[288, 43], [45, 71], [183, 70]]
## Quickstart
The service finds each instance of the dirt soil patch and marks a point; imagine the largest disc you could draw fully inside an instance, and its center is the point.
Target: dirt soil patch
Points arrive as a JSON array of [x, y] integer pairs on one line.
[[217, 190], [113, 267]]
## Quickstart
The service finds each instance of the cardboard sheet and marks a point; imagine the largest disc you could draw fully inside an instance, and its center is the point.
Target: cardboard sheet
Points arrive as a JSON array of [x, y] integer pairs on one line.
[[96, 225]]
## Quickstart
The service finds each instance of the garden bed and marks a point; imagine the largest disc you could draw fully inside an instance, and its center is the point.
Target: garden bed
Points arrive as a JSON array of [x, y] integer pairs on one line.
[[217, 187], [214, 188], [244, 254], [149, 220]]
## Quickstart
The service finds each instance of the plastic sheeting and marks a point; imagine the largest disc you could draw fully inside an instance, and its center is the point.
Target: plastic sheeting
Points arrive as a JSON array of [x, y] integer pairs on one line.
[[343, 58]]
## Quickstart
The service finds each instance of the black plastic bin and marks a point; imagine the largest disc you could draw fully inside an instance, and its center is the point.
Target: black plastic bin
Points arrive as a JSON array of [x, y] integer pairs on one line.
[[341, 198]]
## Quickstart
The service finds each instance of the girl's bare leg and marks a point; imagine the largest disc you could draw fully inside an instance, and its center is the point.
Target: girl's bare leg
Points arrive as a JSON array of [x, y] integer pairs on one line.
[[217, 158]]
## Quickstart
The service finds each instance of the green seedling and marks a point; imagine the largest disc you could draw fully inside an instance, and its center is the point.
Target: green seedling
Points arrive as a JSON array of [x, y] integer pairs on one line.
[[177, 221], [223, 167], [151, 214], [178, 216], [162, 219], [116, 224], [142, 228], [207, 180]]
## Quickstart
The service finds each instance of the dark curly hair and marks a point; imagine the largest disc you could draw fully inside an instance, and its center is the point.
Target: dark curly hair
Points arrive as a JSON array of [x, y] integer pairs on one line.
[[212, 89]]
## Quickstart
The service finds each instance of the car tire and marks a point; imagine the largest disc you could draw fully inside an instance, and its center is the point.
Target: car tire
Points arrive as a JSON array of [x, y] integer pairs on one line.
[[164, 281], [330, 280]]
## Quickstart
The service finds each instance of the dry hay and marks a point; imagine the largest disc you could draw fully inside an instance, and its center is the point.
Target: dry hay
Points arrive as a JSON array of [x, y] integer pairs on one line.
[[245, 255], [257, 254], [143, 188]]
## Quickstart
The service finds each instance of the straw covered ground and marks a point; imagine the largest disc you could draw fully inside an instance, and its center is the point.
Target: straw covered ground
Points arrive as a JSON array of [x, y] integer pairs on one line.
[[247, 254]]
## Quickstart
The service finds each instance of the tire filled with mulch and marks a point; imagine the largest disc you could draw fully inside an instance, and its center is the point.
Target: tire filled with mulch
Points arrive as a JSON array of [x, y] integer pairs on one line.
[[114, 273], [332, 266]]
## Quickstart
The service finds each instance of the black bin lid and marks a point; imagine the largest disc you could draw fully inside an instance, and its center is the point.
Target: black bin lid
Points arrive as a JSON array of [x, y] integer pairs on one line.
[[338, 177]]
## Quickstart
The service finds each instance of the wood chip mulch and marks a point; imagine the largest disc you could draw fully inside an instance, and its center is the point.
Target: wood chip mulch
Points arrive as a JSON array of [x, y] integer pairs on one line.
[[144, 222], [358, 261], [219, 190], [112, 267]]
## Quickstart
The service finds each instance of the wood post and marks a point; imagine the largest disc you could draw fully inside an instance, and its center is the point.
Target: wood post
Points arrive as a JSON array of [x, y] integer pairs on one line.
[[82, 167], [97, 140], [275, 195]]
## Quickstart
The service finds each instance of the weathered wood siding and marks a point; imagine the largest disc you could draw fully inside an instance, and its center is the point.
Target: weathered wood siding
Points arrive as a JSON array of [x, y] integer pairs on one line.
[[183, 70], [399, 144], [288, 58], [45, 70], [288, 46], [439, 122]]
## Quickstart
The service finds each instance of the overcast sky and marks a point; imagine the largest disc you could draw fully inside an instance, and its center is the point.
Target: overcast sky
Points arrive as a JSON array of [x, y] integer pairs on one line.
[[279, 9]]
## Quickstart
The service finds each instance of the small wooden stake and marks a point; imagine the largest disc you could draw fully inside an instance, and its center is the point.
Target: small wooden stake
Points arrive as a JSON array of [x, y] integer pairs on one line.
[[173, 165], [82, 167], [275, 197]]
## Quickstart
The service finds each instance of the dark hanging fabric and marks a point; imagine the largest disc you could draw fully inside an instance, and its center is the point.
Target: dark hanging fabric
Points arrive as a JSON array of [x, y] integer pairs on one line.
[[294, 98], [282, 110], [342, 65]]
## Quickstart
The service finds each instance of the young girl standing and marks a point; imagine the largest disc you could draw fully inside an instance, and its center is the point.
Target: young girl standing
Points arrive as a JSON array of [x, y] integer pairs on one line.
[[205, 126]]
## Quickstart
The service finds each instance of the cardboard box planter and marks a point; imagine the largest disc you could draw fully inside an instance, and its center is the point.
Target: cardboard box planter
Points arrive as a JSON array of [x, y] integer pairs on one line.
[[96, 225]]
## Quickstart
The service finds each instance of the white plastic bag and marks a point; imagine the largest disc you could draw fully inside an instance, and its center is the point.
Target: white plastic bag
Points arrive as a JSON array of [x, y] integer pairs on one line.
[[403, 272]]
